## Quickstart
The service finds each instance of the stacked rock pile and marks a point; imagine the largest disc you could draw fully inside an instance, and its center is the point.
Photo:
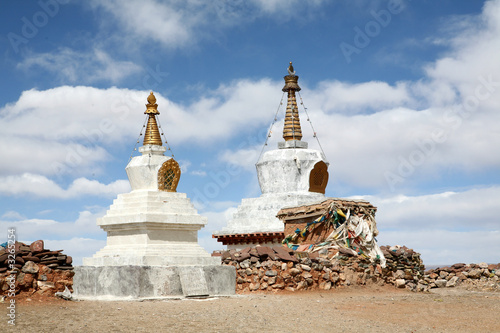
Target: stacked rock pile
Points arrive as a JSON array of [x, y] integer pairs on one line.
[[471, 276], [36, 268], [404, 268], [278, 268]]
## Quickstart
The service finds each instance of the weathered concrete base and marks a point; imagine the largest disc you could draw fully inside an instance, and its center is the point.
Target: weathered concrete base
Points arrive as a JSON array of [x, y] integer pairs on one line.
[[152, 282]]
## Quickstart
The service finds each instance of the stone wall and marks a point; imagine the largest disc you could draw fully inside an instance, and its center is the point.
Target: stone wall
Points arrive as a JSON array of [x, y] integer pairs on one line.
[[36, 270], [264, 269], [279, 268], [471, 276]]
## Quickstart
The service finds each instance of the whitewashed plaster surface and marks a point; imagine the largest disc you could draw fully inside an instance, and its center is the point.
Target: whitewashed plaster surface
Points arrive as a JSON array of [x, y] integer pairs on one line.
[[284, 181], [148, 226]]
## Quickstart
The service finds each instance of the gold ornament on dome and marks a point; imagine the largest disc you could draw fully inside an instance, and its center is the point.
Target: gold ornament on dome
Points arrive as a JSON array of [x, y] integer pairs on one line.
[[169, 175], [318, 178]]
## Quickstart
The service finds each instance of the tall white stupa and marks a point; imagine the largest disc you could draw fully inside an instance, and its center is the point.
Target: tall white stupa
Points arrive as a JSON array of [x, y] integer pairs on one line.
[[291, 175], [152, 248]]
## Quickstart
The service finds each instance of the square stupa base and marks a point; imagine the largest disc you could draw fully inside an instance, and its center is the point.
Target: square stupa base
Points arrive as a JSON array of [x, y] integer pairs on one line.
[[130, 282]]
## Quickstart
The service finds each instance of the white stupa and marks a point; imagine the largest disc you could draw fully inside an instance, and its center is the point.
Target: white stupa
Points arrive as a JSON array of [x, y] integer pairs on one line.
[[152, 245], [291, 175]]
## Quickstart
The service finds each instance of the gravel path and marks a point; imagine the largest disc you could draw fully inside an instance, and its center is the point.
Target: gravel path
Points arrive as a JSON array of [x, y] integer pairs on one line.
[[340, 310]]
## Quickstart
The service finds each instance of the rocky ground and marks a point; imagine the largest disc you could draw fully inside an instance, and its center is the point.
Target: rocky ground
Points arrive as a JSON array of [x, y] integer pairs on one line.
[[354, 309]]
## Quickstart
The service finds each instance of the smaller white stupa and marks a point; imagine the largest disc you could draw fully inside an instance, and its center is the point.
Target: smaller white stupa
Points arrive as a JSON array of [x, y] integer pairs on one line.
[[291, 175], [152, 245]]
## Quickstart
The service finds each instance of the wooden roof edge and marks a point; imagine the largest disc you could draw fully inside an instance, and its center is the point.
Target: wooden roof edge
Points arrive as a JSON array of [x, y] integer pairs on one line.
[[316, 208]]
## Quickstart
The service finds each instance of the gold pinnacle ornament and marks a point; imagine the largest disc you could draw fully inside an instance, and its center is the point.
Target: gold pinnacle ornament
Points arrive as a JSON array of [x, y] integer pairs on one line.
[[291, 130], [152, 135]]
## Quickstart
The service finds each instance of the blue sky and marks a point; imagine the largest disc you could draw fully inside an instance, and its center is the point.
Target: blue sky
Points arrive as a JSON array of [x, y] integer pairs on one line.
[[404, 96]]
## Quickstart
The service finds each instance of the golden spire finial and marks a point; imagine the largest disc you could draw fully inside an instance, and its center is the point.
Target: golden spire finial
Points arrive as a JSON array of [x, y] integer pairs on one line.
[[152, 107], [152, 134], [151, 98], [292, 129], [290, 69]]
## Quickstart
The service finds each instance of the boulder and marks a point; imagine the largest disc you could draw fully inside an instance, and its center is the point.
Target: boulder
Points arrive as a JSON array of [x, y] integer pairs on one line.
[[441, 283], [37, 246], [400, 283], [30, 267], [452, 282], [474, 274]]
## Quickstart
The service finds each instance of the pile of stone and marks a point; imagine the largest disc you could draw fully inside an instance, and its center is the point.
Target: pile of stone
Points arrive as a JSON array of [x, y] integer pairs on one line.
[[279, 268], [404, 268], [471, 276], [36, 269]]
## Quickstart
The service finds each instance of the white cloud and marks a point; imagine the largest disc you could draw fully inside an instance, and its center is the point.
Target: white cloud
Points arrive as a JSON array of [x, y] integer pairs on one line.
[[184, 165], [447, 210], [445, 247], [200, 173], [85, 225], [446, 227], [335, 97], [178, 24], [65, 129], [244, 158], [291, 8], [12, 215], [77, 139], [218, 218], [41, 186], [224, 112], [472, 53], [80, 66], [76, 247]]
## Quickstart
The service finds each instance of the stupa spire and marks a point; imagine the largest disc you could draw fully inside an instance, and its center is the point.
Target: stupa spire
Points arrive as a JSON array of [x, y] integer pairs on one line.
[[152, 134], [291, 129]]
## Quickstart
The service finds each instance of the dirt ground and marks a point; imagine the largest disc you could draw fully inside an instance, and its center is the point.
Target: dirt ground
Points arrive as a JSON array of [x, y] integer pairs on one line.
[[378, 309]]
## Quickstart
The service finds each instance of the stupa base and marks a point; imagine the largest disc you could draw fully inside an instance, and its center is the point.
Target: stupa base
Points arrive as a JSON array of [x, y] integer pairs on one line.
[[129, 282]]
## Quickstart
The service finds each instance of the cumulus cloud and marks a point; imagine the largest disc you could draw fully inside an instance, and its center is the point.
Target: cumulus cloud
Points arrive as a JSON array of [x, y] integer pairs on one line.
[[342, 97], [67, 129], [218, 216], [244, 158], [446, 247], [446, 210], [33, 229], [445, 227], [177, 24], [457, 135], [77, 139], [41, 186], [77, 247], [12, 215]]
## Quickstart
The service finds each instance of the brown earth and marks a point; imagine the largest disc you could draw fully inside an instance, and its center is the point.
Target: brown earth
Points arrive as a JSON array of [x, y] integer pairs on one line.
[[377, 309]]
